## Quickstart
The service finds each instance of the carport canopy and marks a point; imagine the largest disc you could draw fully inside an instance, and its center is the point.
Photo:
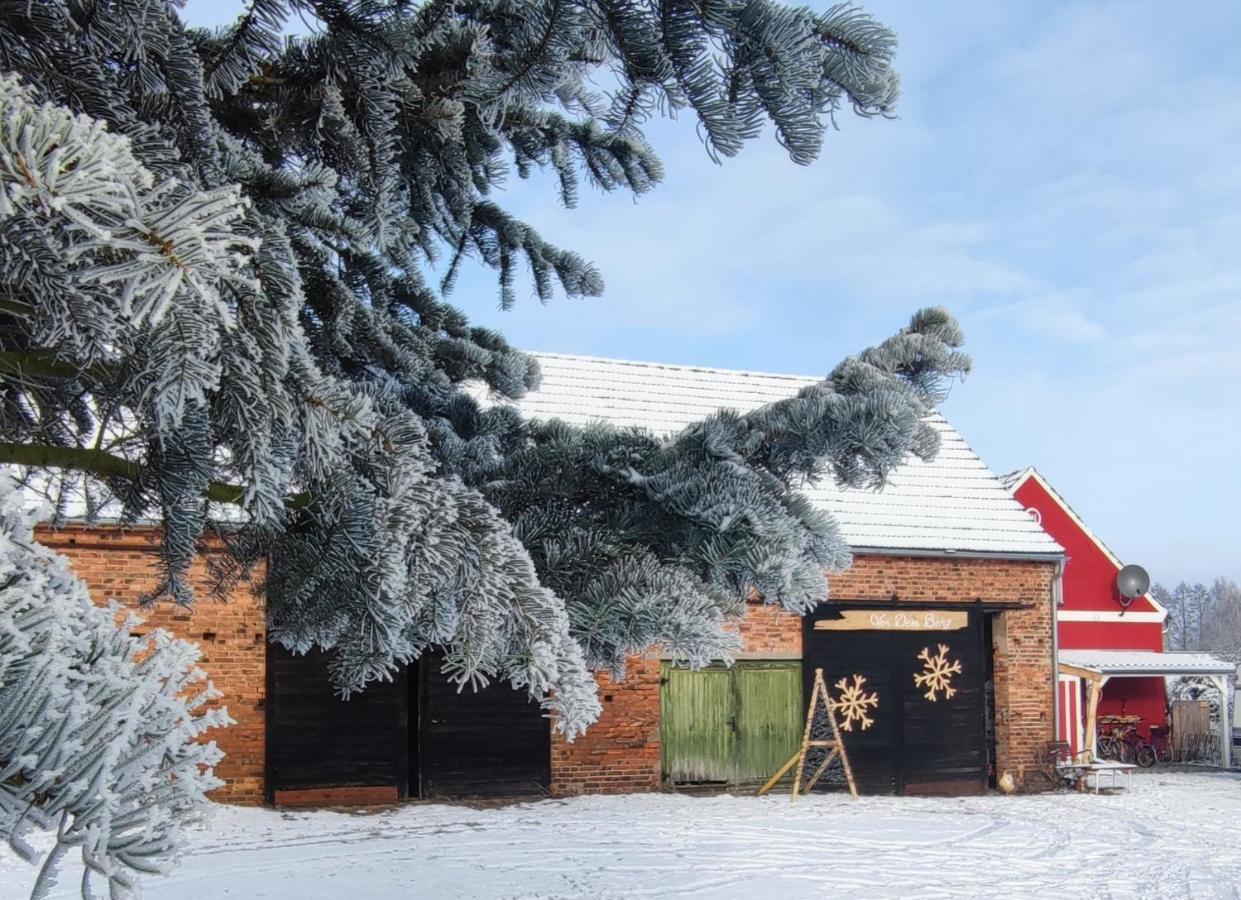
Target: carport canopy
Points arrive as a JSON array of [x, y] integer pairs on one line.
[[1099, 666]]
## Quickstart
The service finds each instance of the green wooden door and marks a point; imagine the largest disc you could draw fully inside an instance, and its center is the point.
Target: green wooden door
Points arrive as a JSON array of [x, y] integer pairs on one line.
[[729, 726], [769, 718], [695, 722]]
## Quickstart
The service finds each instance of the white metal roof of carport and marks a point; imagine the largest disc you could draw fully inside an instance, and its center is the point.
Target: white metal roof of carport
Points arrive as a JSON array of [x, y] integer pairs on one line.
[[1098, 666]]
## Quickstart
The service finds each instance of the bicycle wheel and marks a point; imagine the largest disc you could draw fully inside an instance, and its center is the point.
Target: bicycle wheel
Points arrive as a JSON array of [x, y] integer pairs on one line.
[[1107, 748], [1145, 755], [1163, 751]]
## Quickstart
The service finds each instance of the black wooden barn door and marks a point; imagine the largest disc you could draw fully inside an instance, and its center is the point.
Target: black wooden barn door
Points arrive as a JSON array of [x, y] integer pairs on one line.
[[416, 734], [874, 753], [915, 744], [495, 742], [944, 738], [316, 740]]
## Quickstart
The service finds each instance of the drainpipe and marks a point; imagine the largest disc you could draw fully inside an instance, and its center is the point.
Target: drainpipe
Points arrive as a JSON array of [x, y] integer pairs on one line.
[[1057, 597]]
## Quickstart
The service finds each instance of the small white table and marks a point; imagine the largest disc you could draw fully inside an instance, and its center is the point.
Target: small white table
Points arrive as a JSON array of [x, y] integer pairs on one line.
[[1111, 769]]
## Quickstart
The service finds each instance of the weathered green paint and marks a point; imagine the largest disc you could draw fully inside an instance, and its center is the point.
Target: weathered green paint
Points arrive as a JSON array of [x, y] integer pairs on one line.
[[769, 718], [696, 727], [732, 726]]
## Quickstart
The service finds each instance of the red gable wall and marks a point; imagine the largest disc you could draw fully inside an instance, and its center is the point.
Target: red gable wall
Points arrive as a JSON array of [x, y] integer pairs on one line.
[[1090, 587], [1089, 582]]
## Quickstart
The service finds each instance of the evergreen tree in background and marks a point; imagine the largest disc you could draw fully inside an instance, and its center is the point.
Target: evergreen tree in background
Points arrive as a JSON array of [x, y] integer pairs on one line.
[[1187, 606], [1202, 618], [1221, 623], [223, 256]]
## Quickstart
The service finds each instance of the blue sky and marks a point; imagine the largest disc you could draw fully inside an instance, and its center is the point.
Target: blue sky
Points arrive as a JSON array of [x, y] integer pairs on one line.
[[1064, 177]]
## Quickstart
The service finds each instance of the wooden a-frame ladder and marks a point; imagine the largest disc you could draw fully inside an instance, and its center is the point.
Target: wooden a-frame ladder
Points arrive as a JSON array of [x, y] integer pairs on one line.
[[834, 745]]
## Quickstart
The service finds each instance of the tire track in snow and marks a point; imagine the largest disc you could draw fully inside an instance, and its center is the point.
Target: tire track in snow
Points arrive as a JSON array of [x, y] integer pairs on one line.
[[1175, 836]]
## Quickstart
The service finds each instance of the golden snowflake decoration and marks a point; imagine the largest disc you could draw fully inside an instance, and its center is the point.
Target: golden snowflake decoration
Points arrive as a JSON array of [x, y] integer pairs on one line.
[[937, 672], [854, 702]]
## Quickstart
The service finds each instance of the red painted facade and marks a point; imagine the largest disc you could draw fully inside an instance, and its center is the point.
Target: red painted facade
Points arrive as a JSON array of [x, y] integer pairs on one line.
[[1089, 589], [1111, 635]]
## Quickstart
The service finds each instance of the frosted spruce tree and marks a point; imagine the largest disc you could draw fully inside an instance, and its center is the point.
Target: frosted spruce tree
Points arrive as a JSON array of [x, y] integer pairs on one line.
[[1221, 630], [223, 261], [99, 729]]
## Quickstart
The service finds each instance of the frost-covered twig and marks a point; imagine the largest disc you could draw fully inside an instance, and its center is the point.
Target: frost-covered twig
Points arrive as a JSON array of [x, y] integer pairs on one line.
[[101, 730]]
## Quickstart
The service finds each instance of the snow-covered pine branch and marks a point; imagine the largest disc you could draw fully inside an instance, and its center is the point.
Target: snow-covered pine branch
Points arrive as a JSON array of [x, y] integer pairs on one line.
[[191, 356], [661, 541], [100, 729], [269, 321]]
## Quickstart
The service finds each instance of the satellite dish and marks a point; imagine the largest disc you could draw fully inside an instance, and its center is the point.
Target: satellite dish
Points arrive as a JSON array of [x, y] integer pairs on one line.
[[1132, 581]]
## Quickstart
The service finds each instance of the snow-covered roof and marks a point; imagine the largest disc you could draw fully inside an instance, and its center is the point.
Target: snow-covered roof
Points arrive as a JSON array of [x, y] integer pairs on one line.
[[1147, 662], [953, 504]]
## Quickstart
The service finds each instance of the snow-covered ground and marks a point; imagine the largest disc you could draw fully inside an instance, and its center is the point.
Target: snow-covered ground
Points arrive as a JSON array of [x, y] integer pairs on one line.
[[1171, 835]]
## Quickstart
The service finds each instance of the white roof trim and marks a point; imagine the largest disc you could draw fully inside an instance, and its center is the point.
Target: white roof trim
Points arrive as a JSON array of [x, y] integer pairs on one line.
[[863, 550], [1113, 616], [1146, 662], [1016, 481]]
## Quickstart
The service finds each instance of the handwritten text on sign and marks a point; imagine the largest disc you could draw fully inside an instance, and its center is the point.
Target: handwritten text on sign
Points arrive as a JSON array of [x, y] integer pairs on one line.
[[892, 620]]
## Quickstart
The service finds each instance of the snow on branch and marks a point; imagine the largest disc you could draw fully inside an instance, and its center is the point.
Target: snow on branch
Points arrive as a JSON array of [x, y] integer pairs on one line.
[[100, 728]]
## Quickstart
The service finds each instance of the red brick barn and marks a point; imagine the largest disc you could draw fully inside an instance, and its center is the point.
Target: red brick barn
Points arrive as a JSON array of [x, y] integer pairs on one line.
[[944, 557], [1116, 644]]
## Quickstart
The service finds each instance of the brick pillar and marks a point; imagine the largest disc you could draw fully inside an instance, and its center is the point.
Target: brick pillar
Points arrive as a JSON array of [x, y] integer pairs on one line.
[[1024, 681]]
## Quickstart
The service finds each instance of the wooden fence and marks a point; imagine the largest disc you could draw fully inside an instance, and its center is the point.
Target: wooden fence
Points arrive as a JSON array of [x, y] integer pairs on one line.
[[1194, 738]]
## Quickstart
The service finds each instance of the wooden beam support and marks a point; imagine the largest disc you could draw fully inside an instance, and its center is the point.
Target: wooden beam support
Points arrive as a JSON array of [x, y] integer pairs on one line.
[[1225, 719], [1090, 674], [814, 779], [771, 782], [1092, 715]]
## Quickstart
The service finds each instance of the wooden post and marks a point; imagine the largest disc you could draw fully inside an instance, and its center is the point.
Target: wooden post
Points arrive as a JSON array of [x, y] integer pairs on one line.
[[771, 782], [820, 770], [805, 738], [1225, 719], [1092, 715], [1094, 685], [834, 745]]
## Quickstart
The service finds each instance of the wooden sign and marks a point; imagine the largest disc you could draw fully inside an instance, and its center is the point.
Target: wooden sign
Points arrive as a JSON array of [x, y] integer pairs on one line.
[[896, 620]]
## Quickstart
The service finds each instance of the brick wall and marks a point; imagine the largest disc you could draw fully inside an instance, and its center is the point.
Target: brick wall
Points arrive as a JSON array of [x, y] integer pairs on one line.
[[121, 565], [1022, 638], [621, 751], [768, 632]]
